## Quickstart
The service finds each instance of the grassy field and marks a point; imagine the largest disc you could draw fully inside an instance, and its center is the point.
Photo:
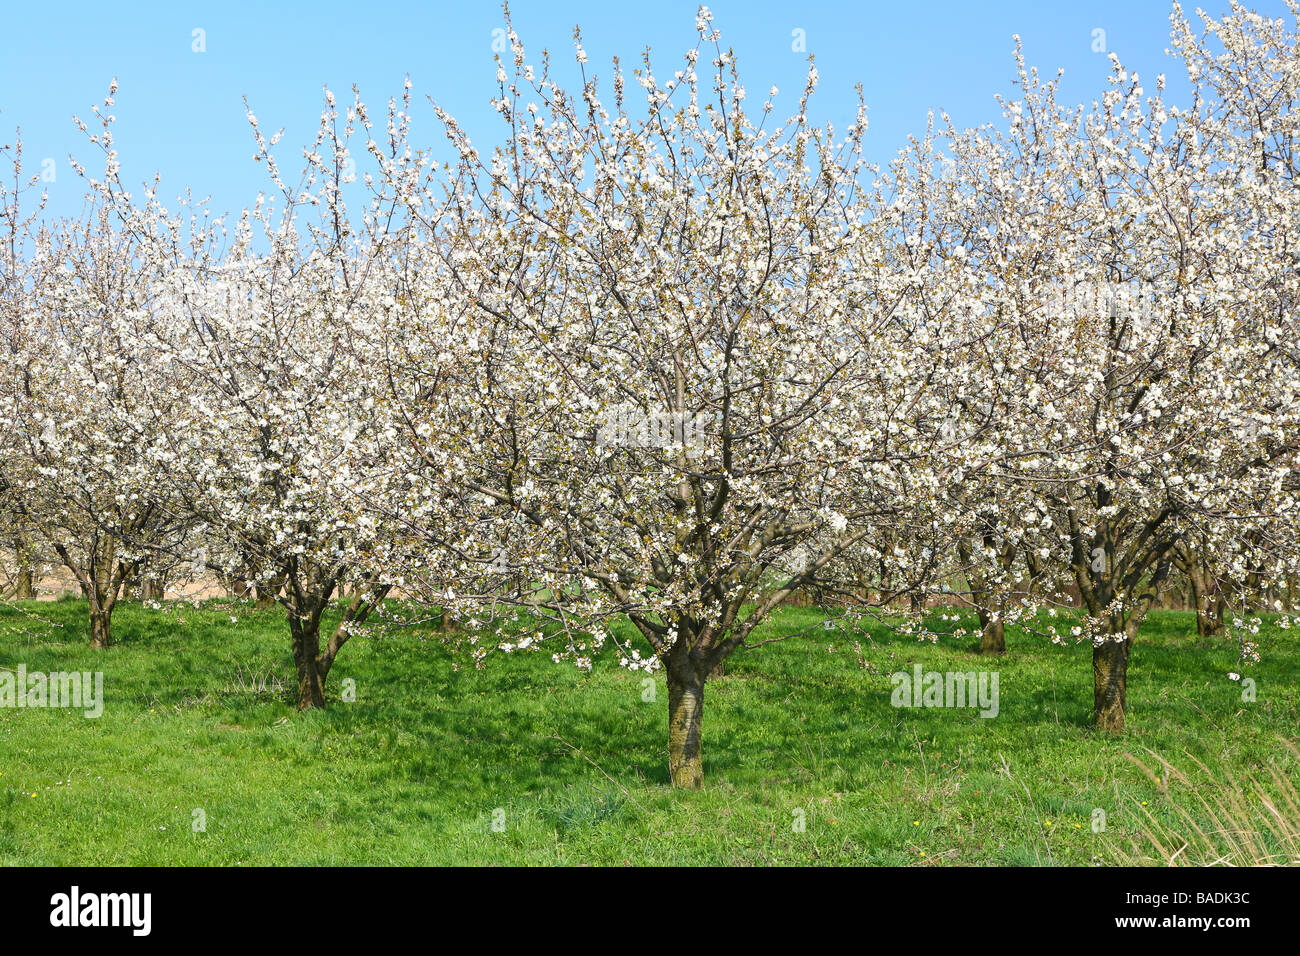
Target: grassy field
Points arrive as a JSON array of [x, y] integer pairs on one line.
[[572, 766]]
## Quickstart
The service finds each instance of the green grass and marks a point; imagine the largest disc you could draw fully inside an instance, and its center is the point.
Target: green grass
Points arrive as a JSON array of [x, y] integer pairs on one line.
[[575, 766]]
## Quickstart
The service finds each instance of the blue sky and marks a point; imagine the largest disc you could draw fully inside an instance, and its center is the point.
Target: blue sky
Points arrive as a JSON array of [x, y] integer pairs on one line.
[[180, 112]]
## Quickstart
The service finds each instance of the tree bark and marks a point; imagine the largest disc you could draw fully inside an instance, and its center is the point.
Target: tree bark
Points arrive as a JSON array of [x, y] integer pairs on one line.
[[365, 598], [100, 579], [306, 657], [1218, 608], [101, 628], [25, 579], [1110, 684], [266, 593], [1206, 598], [685, 725], [993, 634], [102, 598]]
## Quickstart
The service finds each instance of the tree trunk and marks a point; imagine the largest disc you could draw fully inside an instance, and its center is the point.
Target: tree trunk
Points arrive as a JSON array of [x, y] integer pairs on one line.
[[25, 579], [1209, 621], [266, 593], [1110, 684], [993, 637], [685, 717], [102, 596], [992, 633], [306, 657], [101, 628], [1218, 609]]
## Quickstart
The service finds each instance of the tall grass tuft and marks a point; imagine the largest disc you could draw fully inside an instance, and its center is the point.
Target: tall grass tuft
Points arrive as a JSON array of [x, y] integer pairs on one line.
[[1224, 818]]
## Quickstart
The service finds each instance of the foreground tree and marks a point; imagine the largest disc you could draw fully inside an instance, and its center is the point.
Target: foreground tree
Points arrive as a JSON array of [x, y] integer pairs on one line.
[[698, 364]]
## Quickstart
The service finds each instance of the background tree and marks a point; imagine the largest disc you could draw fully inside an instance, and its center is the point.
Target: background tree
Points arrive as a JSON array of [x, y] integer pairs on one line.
[[79, 475], [1151, 406], [266, 455]]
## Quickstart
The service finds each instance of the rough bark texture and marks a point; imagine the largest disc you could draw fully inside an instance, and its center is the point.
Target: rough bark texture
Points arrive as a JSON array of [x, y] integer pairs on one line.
[[685, 724], [101, 594], [101, 628], [306, 657], [1110, 684]]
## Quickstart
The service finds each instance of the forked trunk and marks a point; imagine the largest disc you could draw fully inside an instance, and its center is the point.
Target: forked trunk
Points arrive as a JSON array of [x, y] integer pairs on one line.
[[685, 722]]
